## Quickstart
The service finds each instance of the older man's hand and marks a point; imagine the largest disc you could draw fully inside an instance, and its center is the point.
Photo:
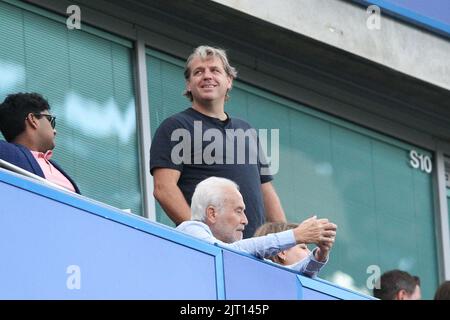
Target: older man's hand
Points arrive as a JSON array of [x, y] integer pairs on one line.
[[313, 230]]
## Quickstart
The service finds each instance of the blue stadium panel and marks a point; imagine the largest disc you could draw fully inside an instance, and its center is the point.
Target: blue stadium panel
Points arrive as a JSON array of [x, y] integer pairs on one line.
[[249, 278], [45, 242], [51, 241], [319, 289]]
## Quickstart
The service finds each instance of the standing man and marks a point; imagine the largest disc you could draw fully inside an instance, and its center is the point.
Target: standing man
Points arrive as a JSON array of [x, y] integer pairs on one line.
[[209, 78], [29, 129]]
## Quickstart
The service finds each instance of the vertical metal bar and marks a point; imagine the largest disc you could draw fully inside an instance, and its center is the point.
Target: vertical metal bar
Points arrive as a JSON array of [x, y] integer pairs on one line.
[[442, 225], [144, 132]]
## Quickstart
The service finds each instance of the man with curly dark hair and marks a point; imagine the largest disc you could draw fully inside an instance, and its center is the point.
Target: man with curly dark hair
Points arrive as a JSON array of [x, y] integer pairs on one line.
[[29, 130]]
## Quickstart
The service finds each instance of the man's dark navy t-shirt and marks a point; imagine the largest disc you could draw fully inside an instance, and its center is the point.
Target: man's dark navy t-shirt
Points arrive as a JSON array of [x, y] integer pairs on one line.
[[195, 165]]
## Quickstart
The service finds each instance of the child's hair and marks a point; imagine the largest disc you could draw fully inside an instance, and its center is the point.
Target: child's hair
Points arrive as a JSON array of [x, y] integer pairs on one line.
[[274, 227]]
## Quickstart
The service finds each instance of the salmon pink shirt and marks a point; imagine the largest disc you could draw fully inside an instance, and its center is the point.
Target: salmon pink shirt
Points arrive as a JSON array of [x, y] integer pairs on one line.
[[50, 172]]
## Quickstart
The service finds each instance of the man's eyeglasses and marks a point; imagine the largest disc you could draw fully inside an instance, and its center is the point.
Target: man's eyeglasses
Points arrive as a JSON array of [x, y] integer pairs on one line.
[[50, 118]]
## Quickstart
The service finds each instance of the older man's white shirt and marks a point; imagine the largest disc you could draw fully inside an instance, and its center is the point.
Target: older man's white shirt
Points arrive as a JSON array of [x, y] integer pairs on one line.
[[261, 247]]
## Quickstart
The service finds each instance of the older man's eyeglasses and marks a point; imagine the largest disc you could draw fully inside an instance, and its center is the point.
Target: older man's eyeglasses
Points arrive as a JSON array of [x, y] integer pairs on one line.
[[50, 118]]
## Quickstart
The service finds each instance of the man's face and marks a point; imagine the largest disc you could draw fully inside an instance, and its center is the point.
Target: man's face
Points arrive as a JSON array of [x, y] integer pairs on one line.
[[228, 225], [45, 133], [208, 82]]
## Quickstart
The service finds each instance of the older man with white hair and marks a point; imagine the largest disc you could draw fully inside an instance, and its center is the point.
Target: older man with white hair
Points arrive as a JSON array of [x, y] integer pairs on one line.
[[218, 216]]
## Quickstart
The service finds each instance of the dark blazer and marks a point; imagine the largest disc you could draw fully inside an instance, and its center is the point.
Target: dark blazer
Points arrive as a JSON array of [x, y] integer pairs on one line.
[[20, 156]]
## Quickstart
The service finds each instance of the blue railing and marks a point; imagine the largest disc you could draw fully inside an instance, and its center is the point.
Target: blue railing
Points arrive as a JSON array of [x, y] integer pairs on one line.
[[58, 245]]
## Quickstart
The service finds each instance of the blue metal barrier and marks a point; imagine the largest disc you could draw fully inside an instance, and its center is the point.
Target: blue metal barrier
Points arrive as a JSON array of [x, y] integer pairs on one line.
[[58, 245]]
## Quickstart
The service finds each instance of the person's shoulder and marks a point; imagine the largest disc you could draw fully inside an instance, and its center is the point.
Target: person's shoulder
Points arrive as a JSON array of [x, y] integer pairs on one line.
[[11, 151], [4, 143], [180, 115], [196, 228], [9, 146], [179, 119], [238, 122], [183, 225], [191, 224]]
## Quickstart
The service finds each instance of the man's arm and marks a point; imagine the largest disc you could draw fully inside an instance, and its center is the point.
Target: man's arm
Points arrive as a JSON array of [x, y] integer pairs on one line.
[[169, 195], [272, 204], [264, 246], [311, 230]]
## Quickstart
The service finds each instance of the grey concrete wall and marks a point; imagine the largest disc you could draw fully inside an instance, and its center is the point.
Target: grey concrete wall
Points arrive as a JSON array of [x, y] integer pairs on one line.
[[397, 45]]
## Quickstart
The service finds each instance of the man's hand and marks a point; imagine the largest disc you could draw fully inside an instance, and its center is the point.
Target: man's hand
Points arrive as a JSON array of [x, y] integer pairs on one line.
[[313, 230]]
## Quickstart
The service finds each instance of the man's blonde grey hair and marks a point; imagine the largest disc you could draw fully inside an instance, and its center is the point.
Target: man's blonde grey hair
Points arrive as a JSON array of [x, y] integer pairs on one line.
[[207, 52], [209, 192]]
